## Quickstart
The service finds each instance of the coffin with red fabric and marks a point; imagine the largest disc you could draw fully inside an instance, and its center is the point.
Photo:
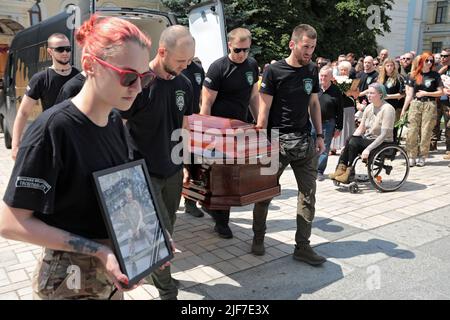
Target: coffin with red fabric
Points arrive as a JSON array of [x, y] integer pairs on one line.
[[228, 157]]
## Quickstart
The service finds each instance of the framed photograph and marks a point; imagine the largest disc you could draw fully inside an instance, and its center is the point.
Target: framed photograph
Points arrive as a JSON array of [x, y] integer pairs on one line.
[[133, 219]]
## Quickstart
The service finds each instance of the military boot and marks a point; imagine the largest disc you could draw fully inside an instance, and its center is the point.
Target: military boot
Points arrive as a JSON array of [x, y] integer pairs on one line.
[[258, 248], [339, 170], [345, 177], [306, 254]]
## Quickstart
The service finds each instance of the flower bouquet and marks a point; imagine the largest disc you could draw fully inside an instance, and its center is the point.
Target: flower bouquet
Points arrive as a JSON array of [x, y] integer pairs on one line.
[[344, 83]]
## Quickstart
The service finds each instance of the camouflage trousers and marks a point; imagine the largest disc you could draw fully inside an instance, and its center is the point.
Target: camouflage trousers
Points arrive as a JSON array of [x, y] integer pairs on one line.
[[62, 275], [422, 119], [443, 109]]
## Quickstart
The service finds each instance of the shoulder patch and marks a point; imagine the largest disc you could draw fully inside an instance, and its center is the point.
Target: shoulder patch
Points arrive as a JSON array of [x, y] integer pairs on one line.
[[33, 183]]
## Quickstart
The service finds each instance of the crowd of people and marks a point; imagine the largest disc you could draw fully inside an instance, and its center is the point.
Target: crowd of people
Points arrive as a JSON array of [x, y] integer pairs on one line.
[[414, 85], [50, 200]]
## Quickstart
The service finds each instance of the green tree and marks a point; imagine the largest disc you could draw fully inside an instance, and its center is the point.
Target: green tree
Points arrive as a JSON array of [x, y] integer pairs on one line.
[[342, 25]]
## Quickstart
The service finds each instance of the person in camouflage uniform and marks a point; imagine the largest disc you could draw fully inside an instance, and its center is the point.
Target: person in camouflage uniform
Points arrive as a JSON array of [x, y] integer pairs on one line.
[[422, 89]]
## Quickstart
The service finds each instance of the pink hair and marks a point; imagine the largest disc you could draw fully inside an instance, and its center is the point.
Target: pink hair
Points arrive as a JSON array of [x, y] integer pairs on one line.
[[100, 36]]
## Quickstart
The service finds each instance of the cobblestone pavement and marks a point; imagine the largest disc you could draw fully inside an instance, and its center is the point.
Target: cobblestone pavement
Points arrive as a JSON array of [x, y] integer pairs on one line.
[[205, 257]]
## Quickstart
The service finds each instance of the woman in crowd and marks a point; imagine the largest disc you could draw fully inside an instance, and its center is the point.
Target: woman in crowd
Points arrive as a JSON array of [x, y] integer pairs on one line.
[[422, 89], [394, 84], [376, 127], [50, 200], [349, 104]]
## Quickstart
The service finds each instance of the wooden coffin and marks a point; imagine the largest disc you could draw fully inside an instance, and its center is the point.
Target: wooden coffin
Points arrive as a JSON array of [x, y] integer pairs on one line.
[[227, 169]]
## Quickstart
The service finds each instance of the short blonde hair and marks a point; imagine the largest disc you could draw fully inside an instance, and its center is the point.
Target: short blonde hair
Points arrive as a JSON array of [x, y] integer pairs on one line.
[[241, 34]]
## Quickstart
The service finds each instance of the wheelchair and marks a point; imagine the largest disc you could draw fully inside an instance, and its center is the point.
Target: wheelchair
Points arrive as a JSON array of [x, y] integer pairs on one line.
[[387, 168]]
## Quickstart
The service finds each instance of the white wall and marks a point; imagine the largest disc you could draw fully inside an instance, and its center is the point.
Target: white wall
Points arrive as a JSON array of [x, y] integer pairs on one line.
[[406, 27]]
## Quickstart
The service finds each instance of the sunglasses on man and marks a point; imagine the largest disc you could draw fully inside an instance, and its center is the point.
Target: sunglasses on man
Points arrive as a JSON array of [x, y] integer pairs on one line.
[[62, 49], [444, 55], [129, 77], [237, 50]]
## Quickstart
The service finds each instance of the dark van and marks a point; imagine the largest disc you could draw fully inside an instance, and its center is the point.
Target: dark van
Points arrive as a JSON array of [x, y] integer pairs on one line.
[[28, 51]]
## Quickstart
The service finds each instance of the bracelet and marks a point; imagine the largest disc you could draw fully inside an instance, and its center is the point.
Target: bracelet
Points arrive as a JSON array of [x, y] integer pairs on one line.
[[320, 135]]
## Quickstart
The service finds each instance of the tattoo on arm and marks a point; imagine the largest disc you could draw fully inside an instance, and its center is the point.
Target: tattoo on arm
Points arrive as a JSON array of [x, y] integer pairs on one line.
[[81, 245]]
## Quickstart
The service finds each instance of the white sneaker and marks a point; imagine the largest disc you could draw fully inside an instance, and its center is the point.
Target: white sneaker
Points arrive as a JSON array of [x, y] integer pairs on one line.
[[412, 162], [421, 162]]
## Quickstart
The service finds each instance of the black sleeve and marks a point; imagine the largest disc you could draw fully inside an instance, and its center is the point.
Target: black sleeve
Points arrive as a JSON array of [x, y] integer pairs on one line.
[[439, 82], [213, 78], [402, 85], [316, 87], [32, 185], [268, 84], [340, 112], [255, 72], [35, 86]]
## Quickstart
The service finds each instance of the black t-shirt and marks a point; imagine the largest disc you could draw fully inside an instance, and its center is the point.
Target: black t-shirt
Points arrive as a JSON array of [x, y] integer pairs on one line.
[[394, 88], [234, 83], [367, 79], [196, 75], [45, 85], [52, 174], [291, 89], [71, 88], [430, 82], [331, 105], [154, 115]]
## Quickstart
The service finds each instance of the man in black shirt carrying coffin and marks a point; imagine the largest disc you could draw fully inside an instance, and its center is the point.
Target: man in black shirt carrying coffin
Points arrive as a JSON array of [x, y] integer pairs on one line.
[[230, 87], [152, 119], [288, 87], [44, 85]]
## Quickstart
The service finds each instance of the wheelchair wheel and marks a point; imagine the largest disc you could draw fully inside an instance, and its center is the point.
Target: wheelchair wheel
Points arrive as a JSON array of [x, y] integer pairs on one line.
[[388, 169], [353, 187]]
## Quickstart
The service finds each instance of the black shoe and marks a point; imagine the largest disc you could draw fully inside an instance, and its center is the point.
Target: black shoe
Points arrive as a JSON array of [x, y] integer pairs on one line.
[[306, 254], [224, 231], [192, 209]]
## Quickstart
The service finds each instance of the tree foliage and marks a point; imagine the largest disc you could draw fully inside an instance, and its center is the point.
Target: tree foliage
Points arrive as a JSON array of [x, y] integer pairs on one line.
[[342, 25]]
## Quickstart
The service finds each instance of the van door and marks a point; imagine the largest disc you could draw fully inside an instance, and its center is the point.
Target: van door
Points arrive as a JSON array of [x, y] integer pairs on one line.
[[151, 22], [207, 26]]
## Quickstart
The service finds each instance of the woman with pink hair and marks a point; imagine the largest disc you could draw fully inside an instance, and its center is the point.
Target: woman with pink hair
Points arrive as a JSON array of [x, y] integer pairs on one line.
[[422, 89]]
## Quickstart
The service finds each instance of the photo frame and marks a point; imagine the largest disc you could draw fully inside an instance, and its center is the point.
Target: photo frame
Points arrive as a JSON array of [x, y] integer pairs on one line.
[[133, 219]]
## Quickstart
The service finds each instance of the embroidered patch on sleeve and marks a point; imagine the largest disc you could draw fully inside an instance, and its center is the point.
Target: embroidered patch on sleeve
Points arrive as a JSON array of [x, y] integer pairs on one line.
[[33, 183]]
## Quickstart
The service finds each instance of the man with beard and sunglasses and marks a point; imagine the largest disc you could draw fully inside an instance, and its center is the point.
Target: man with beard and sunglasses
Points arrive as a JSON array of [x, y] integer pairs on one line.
[[288, 100], [44, 85], [230, 88], [156, 113]]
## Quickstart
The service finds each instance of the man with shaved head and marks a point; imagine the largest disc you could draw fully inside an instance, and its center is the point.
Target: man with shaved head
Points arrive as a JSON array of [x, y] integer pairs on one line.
[[157, 112], [384, 54], [44, 85], [369, 76]]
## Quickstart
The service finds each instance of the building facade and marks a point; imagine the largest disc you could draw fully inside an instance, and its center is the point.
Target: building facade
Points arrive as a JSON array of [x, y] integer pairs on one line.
[[436, 34], [407, 24]]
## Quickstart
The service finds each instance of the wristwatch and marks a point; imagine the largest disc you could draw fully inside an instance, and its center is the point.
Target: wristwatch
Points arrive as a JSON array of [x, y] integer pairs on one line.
[[320, 135]]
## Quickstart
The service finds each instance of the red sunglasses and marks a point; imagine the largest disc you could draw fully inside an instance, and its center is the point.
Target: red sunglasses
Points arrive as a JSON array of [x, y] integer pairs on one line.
[[128, 77]]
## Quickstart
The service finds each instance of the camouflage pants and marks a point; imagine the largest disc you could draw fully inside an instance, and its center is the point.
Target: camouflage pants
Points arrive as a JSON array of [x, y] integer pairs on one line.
[[443, 109], [61, 275], [422, 119]]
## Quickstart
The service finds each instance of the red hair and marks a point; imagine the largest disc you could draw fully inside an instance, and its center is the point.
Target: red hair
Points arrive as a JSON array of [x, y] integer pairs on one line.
[[100, 36], [417, 73]]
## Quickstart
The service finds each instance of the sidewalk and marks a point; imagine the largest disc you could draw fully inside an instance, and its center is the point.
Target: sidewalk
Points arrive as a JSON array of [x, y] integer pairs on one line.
[[391, 236]]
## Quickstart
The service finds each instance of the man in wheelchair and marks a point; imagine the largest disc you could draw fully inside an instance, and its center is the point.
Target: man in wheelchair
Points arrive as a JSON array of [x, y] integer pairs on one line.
[[376, 127]]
